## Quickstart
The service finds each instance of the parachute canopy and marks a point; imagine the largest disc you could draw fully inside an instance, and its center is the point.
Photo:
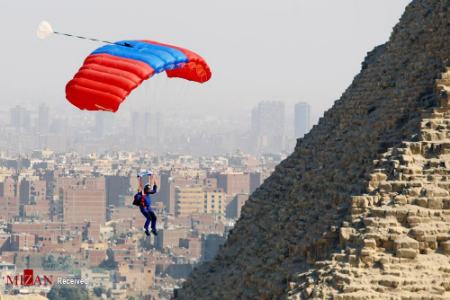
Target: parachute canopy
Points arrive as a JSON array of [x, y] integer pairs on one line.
[[111, 72]]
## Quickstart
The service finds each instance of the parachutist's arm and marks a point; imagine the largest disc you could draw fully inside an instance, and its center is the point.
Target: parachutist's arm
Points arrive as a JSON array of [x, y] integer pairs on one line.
[[152, 181], [155, 189], [140, 184]]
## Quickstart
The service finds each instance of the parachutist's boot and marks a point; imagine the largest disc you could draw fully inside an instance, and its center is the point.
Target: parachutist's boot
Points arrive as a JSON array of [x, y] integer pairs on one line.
[[154, 232]]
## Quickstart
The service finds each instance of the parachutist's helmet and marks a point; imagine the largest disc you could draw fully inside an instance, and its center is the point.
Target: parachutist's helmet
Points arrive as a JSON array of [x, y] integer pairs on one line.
[[147, 188]]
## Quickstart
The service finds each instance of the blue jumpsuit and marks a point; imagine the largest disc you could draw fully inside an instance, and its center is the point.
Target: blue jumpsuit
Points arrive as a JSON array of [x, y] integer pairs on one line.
[[147, 211]]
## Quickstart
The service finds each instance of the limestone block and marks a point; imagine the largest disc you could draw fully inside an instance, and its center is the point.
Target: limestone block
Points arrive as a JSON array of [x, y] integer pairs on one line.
[[434, 191], [413, 220], [406, 253], [445, 246], [423, 202], [353, 260], [400, 199], [414, 191], [435, 203], [370, 243], [406, 242], [345, 233], [389, 281], [385, 187]]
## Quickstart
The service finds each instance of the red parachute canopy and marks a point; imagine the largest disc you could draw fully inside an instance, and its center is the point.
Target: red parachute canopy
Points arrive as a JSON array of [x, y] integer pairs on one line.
[[111, 72]]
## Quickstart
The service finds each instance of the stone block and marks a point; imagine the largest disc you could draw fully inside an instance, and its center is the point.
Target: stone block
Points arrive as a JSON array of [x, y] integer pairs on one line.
[[406, 242], [445, 246], [423, 202], [370, 243], [435, 203], [345, 233], [400, 199]]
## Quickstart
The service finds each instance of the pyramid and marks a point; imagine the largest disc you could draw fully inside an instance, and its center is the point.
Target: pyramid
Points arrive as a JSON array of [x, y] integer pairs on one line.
[[361, 208]]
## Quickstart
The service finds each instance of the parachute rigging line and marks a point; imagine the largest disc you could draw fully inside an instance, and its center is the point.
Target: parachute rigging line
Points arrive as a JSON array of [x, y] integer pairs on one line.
[[92, 39], [45, 30]]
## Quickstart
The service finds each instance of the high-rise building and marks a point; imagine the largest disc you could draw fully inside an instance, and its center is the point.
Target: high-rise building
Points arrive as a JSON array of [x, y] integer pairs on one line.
[[43, 119], [9, 202], [256, 179], [170, 181], [233, 183], [116, 188], [157, 131], [189, 200], [167, 192], [33, 199], [20, 117], [103, 123], [301, 119], [147, 124], [99, 124], [233, 210], [214, 202], [85, 201], [137, 123], [268, 126]]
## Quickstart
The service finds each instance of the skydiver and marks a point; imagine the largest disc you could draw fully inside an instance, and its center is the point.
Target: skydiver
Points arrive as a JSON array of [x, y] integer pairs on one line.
[[144, 201]]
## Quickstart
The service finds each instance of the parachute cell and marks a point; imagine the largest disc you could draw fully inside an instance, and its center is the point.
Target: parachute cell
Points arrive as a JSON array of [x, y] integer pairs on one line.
[[111, 72]]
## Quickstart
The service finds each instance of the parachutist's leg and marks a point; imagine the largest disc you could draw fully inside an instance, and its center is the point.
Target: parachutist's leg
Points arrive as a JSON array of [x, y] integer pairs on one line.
[[146, 215], [153, 220], [147, 222]]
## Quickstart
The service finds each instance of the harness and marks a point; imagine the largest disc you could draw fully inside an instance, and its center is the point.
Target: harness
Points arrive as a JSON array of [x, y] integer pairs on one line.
[[143, 199]]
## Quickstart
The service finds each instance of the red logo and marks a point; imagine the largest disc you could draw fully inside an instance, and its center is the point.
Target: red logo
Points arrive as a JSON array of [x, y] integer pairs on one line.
[[28, 278]]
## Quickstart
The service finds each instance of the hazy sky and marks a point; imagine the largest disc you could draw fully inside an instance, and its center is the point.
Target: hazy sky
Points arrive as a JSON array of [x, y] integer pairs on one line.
[[287, 50]]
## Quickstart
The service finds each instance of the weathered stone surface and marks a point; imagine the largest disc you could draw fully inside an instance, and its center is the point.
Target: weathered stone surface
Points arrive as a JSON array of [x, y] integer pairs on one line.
[[360, 210], [406, 242], [406, 253]]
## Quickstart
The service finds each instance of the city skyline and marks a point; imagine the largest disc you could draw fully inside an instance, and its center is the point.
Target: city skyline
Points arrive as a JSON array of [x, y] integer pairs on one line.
[[40, 126]]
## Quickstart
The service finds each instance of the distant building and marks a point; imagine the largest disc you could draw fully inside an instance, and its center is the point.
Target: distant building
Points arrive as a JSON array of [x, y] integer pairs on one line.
[[137, 123], [268, 126], [103, 123], [9, 202], [167, 194], [20, 117], [194, 245], [96, 278], [32, 191], [256, 179], [116, 188], [85, 201], [211, 244], [43, 121], [214, 202], [139, 279], [22, 241], [189, 200], [302, 119], [147, 124], [233, 210], [169, 238], [99, 124], [233, 183], [154, 127], [210, 183]]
